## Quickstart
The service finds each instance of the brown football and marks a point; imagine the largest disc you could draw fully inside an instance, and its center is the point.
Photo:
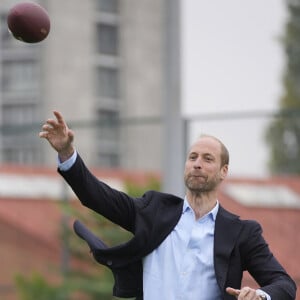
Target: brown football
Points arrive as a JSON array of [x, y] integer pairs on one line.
[[28, 22]]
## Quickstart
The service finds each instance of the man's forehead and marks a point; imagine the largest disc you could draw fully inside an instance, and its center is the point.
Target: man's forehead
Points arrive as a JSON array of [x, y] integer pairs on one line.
[[206, 144]]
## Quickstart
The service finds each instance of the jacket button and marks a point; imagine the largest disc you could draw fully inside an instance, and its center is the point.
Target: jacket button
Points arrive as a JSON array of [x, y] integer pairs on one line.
[[109, 262]]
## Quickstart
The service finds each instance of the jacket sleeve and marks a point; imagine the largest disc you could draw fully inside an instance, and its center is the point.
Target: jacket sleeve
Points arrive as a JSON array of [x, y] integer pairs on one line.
[[114, 205], [264, 267]]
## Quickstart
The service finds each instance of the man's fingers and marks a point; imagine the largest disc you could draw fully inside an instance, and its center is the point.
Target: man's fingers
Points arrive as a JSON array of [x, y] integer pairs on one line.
[[244, 293], [59, 117], [232, 291], [248, 293], [52, 122], [47, 127], [71, 134], [43, 134]]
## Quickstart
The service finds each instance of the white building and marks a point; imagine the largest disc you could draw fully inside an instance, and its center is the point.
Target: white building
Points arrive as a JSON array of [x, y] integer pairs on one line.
[[102, 67]]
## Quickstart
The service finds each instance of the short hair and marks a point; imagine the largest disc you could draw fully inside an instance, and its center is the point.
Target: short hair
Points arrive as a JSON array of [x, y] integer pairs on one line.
[[224, 150]]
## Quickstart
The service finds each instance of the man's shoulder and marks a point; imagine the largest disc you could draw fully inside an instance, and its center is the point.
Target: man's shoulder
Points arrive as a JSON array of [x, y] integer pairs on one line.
[[156, 198], [157, 195], [231, 215]]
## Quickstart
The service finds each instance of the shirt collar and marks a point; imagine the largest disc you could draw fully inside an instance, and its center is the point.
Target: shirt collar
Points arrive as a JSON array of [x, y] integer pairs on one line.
[[212, 213]]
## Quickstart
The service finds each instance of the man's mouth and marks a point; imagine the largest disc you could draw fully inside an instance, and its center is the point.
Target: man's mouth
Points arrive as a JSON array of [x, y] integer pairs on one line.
[[198, 176]]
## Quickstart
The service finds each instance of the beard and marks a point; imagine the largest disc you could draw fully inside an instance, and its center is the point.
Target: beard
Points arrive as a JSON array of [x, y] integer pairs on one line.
[[200, 183]]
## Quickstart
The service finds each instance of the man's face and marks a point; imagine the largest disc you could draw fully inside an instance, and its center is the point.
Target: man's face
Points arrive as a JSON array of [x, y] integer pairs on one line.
[[203, 171]]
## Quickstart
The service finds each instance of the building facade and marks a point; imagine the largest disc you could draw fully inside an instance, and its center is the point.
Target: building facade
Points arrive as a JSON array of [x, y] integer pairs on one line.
[[102, 67]]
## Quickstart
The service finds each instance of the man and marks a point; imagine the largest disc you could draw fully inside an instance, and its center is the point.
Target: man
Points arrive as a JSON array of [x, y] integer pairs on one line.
[[188, 248]]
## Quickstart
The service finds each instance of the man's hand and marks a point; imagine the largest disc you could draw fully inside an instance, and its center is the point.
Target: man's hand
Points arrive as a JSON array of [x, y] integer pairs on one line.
[[59, 136], [245, 293]]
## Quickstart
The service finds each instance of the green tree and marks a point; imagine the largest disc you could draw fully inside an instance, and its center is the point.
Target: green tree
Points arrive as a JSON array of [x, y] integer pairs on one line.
[[36, 287], [135, 190], [283, 134]]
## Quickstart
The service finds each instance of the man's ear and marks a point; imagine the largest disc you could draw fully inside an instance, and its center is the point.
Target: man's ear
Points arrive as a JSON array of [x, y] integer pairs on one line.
[[224, 171]]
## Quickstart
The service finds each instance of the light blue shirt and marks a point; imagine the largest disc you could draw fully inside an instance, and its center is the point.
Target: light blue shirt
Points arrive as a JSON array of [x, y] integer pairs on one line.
[[182, 267], [67, 164]]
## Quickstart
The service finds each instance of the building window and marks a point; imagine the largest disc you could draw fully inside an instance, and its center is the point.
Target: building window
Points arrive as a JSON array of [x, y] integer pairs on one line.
[[109, 160], [18, 155], [18, 143], [11, 155], [107, 82], [110, 6], [18, 114], [107, 39], [108, 136], [109, 129], [19, 76]]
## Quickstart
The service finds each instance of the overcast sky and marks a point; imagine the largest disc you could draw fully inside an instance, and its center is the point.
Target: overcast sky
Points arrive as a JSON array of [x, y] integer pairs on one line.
[[232, 61]]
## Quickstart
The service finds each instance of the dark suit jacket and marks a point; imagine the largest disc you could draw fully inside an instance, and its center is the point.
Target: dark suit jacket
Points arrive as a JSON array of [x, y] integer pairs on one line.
[[238, 244]]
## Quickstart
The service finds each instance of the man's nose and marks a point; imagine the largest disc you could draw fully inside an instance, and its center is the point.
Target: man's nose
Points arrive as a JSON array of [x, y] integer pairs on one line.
[[197, 164]]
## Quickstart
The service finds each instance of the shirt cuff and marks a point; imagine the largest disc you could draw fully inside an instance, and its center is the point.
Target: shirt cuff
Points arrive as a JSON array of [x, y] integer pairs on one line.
[[261, 292], [67, 164]]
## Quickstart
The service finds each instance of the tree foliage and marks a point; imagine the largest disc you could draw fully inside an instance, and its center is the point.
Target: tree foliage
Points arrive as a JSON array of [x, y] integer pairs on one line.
[[36, 287], [283, 134]]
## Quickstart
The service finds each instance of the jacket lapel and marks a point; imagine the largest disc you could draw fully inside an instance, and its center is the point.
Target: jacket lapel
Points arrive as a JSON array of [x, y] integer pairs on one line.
[[227, 229]]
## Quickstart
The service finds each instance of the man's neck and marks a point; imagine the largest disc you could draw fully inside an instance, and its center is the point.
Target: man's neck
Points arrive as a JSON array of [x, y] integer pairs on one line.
[[202, 203]]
